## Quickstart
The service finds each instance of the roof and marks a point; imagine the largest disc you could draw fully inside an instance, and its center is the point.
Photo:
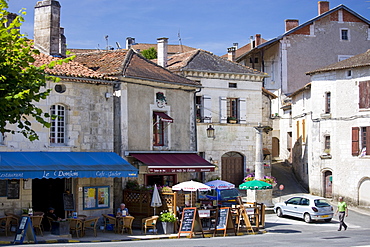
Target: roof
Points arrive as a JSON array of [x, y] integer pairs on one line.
[[130, 64], [72, 69], [291, 31], [200, 60], [360, 60], [307, 86], [264, 90], [171, 49]]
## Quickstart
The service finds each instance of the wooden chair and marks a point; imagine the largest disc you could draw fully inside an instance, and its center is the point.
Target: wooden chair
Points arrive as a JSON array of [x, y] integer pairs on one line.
[[109, 220], [50, 220], [6, 223], [75, 225], [37, 223], [149, 222], [125, 223], [90, 224]]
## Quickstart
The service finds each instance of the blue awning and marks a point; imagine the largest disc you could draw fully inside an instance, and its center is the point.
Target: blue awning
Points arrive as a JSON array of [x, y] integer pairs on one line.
[[22, 165]]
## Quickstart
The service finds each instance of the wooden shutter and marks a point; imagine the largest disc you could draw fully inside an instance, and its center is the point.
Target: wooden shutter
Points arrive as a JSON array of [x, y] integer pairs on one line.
[[368, 140], [364, 93], [355, 141]]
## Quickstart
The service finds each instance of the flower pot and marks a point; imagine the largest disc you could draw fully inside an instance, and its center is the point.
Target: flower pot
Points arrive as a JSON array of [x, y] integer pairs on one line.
[[232, 121], [167, 227]]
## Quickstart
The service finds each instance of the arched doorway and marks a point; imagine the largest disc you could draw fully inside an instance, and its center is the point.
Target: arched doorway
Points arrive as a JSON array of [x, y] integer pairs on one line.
[[232, 168], [275, 147], [328, 186], [363, 193]]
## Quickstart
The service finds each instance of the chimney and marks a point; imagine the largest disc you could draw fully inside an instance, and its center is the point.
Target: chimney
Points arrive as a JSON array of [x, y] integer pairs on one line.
[[231, 54], [129, 42], [236, 45], [10, 18], [62, 42], [323, 6], [252, 42], [162, 46], [257, 40], [290, 24], [47, 27]]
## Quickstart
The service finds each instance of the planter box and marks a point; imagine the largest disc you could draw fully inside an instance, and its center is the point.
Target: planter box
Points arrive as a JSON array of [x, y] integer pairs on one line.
[[165, 227]]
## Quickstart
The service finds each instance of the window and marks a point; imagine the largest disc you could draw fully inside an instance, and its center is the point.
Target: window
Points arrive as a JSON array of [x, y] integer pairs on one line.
[[96, 197], [344, 34], [232, 85], [58, 128], [364, 94], [199, 106], [327, 144], [327, 102], [360, 139], [160, 123], [232, 109], [349, 73]]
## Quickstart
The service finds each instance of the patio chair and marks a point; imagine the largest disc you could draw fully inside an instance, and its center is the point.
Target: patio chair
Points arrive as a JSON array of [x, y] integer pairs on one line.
[[50, 220], [6, 223], [109, 220], [125, 223], [37, 223], [149, 222], [90, 224], [75, 225]]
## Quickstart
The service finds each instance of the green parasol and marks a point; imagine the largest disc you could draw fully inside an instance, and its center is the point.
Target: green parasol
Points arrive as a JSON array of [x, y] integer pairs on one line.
[[255, 185]]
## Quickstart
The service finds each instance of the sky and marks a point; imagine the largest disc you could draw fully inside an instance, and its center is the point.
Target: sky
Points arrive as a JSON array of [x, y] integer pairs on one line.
[[212, 25]]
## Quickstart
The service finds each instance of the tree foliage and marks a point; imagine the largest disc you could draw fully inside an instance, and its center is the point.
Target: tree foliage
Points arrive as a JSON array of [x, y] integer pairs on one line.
[[150, 53], [21, 83]]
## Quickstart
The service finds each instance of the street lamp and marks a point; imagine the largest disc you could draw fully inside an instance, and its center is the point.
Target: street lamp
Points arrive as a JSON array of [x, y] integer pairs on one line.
[[211, 132]]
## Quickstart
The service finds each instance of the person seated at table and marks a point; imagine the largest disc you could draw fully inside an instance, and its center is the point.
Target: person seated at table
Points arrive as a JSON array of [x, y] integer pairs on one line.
[[50, 213], [122, 210]]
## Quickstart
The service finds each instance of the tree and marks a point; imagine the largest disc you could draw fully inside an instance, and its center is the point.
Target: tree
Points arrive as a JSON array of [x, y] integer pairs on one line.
[[21, 83], [150, 53]]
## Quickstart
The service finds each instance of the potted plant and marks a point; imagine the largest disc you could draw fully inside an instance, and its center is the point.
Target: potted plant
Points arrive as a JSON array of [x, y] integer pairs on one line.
[[232, 120], [167, 220]]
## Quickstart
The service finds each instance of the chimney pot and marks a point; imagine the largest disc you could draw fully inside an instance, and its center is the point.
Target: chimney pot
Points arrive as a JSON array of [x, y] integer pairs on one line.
[[323, 6], [231, 53], [258, 40], [290, 24]]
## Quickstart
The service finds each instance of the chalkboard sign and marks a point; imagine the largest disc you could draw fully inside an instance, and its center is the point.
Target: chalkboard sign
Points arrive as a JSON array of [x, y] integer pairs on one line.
[[25, 229], [224, 221], [13, 189], [190, 222], [69, 202], [3, 188]]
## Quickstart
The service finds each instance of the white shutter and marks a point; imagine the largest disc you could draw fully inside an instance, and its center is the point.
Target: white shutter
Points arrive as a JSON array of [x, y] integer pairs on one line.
[[223, 110], [207, 109], [242, 110]]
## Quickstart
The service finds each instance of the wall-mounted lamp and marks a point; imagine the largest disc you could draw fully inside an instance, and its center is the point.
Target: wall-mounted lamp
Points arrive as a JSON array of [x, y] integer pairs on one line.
[[211, 132], [108, 95]]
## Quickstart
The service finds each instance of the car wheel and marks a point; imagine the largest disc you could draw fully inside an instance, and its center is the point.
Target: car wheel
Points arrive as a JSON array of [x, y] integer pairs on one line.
[[327, 220], [279, 212], [307, 218]]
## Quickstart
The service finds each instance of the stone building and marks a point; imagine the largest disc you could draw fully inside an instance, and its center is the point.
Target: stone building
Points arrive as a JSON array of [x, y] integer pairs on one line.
[[335, 106]]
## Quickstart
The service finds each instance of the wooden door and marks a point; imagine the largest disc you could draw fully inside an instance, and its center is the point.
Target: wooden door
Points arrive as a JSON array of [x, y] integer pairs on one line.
[[232, 168], [328, 184]]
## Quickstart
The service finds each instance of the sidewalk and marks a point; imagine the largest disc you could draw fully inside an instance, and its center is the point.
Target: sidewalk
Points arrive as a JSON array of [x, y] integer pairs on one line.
[[110, 236]]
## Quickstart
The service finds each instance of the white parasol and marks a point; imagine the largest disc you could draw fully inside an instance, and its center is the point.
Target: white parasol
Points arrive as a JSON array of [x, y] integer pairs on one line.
[[191, 186], [156, 199]]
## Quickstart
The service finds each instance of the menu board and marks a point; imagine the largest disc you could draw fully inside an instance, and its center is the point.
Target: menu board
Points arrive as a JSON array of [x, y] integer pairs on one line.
[[13, 189], [68, 201], [222, 218], [190, 222], [187, 219], [3, 188], [25, 230]]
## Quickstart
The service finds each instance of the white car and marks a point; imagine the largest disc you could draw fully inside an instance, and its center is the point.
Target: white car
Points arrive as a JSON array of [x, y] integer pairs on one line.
[[306, 207]]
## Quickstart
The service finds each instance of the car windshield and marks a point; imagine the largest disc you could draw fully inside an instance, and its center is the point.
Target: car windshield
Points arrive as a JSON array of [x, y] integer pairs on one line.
[[232, 193], [321, 203]]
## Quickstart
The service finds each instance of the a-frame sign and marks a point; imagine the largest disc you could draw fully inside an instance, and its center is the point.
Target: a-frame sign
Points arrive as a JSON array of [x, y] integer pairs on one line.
[[243, 214], [25, 230], [224, 221], [190, 222]]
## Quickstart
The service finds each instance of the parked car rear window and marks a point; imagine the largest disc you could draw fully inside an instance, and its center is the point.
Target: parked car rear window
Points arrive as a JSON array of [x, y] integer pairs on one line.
[[321, 203]]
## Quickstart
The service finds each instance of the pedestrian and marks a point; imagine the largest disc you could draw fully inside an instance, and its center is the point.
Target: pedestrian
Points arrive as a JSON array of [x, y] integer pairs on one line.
[[342, 209]]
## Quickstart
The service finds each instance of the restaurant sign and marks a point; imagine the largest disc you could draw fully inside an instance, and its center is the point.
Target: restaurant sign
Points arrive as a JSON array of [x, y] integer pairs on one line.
[[65, 174], [173, 170]]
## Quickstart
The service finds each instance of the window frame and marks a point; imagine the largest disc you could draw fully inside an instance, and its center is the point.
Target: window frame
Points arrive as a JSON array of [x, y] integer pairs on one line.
[[232, 108], [199, 108], [58, 125], [327, 102], [344, 34], [94, 201], [160, 135]]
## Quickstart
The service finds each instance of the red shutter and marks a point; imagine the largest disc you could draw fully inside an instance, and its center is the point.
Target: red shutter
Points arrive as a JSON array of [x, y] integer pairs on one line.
[[355, 141], [368, 140], [364, 87]]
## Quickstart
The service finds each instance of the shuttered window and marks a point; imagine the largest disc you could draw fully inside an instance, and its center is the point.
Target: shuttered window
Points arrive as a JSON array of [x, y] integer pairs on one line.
[[364, 94], [355, 141]]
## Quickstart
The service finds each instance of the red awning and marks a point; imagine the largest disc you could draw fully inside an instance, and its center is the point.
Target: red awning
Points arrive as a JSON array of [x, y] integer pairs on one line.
[[164, 117], [174, 162]]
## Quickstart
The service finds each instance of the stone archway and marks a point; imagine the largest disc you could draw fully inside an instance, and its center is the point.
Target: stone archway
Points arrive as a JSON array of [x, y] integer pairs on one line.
[[328, 184], [232, 168], [363, 192]]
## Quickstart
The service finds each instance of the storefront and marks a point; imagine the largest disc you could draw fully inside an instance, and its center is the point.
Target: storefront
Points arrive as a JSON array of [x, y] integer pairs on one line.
[[41, 179]]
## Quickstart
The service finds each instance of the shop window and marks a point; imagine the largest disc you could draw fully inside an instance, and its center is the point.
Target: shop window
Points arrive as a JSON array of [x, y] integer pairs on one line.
[[96, 197], [58, 124], [161, 180]]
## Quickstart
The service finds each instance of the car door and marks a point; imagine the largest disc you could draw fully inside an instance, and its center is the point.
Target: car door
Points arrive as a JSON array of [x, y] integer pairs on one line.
[[303, 207], [292, 206]]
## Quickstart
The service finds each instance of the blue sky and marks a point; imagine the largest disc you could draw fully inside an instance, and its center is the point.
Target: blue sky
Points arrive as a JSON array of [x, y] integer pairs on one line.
[[212, 25]]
